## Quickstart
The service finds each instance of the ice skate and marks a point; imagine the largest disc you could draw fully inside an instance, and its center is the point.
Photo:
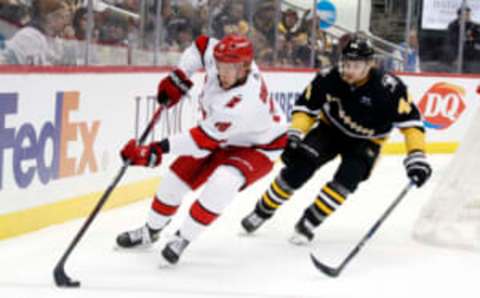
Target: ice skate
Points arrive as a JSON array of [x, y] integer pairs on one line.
[[252, 222], [303, 233], [173, 250], [141, 237]]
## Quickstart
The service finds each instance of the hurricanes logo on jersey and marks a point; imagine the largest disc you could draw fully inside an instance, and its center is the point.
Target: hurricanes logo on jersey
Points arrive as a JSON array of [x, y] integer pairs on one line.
[[442, 105], [222, 126]]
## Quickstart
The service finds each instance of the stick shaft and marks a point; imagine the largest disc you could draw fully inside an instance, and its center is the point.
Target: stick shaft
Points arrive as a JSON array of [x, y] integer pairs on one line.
[[106, 194]]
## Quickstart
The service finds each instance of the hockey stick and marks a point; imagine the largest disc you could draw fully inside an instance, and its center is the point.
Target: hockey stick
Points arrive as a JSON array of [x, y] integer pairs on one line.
[[335, 271], [61, 278]]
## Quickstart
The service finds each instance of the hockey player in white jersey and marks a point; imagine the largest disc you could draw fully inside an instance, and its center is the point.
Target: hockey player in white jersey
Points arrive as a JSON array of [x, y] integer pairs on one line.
[[241, 134]]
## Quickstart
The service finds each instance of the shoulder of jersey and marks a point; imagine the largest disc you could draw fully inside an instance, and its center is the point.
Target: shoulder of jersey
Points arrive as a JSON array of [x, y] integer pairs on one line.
[[205, 46], [203, 42], [390, 82], [322, 77]]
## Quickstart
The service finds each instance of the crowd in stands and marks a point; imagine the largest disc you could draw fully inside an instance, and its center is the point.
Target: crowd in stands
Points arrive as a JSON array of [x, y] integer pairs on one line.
[[282, 36], [282, 40]]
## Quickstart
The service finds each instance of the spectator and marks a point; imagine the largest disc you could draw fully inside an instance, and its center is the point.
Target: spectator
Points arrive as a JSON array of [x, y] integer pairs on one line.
[[302, 50], [409, 55], [230, 20], [471, 51], [37, 43], [264, 21], [285, 50], [289, 24], [180, 34], [115, 30], [2, 41], [14, 11], [80, 23]]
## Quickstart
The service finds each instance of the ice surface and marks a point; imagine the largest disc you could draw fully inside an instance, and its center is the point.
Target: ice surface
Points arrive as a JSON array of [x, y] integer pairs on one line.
[[224, 262]]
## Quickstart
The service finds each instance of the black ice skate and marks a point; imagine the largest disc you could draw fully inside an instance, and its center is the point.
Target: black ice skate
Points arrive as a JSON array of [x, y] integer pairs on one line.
[[141, 237], [173, 250], [252, 222], [303, 233]]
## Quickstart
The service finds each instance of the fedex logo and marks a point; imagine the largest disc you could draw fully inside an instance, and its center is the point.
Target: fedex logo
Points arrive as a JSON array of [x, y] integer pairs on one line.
[[30, 145], [442, 105]]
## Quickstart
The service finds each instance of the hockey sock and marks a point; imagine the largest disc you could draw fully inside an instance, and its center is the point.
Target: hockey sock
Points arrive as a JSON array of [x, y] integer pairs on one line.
[[331, 196], [198, 220], [277, 194], [160, 214]]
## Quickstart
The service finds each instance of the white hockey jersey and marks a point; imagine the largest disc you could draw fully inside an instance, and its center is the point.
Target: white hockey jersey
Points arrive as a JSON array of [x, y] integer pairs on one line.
[[243, 116]]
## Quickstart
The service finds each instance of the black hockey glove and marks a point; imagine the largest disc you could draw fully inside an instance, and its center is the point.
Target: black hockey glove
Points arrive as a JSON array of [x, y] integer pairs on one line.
[[418, 168], [294, 141]]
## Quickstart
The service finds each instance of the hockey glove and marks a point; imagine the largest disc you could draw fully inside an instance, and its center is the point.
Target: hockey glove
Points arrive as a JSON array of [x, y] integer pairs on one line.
[[418, 168], [173, 87], [293, 143], [142, 155]]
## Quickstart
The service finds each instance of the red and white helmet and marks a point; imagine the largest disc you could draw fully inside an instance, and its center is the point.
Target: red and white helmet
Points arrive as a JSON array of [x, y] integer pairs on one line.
[[234, 49]]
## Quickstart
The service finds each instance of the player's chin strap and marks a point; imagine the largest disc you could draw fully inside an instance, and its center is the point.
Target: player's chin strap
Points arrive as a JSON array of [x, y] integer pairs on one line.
[[335, 271]]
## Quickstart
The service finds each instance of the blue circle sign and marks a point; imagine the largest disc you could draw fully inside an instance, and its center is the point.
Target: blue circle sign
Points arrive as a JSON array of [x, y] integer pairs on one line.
[[327, 12]]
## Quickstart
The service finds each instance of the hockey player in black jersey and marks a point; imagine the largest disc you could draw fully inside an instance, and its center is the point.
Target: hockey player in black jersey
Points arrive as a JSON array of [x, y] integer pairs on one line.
[[350, 111]]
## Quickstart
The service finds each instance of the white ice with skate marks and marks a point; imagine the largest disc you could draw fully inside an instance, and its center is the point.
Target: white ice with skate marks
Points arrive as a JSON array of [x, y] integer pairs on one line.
[[224, 262]]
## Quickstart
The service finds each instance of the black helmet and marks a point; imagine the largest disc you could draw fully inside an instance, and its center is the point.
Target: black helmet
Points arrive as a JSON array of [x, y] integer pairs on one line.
[[358, 48]]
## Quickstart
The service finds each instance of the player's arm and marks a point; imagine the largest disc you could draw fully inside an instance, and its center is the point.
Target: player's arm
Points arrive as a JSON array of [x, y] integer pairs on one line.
[[409, 121], [304, 115], [207, 136], [196, 142], [172, 88], [193, 58], [307, 109]]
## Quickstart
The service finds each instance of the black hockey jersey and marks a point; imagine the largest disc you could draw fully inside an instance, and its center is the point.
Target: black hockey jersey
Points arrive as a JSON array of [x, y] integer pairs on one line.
[[368, 111]]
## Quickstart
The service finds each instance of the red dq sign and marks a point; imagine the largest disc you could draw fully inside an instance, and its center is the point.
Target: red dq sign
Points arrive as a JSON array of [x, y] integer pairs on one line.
[[442, 105]]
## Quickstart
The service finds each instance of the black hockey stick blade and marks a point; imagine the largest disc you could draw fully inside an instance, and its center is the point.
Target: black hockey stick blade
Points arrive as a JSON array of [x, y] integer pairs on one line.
[[62, 279], [330, 271], [334, 272]]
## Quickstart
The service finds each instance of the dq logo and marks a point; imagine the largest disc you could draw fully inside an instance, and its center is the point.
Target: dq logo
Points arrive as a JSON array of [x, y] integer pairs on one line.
[[29, 144], [442, 105]]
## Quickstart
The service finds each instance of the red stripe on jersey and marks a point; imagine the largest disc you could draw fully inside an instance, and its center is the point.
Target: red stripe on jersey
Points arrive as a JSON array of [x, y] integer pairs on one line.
[[202, 43], [277, 144], [162, 208], [202, 215], [263, 91], [203, 140]]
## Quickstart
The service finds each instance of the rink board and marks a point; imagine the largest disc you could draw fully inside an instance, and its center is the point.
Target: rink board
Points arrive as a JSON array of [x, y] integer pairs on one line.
[[60, 131]]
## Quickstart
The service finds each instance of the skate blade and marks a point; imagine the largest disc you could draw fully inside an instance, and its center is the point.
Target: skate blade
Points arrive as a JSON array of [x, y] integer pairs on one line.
[[244, 233], [140, 248], [164, 264], [299, 240]]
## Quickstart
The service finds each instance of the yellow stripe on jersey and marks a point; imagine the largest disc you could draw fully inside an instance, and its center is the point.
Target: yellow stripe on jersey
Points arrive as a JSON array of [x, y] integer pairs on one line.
[[333, 194], [269, 202], [280, 191], [380, 141], [414, 139], [321, 205], [302, 121], [308, 92], [404, 106]]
